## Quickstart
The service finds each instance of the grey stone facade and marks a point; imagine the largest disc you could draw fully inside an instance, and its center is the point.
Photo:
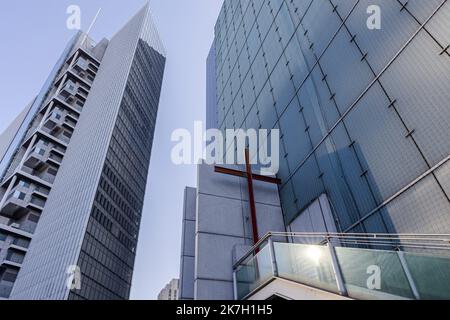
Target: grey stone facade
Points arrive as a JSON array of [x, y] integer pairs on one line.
[[222, 231]]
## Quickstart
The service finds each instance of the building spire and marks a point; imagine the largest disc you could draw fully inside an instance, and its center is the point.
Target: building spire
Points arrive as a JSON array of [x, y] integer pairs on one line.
[[91, 26]]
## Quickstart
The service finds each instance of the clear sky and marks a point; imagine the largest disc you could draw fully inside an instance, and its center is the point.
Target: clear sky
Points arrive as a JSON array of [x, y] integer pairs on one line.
[[34, 34]]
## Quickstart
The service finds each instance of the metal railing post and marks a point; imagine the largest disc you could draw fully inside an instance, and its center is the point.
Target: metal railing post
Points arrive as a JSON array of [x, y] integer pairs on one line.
[[337, 270], [273, 258], [235, 292], [408, 274]]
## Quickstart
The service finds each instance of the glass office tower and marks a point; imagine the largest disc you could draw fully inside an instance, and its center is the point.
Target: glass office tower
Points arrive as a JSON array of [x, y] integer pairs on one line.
[[363, 113], [73, 190]]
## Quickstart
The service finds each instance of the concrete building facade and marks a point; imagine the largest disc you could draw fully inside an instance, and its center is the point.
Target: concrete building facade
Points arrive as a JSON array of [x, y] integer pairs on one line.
[[170, 291], [217, 231], [187, 260], [75, 170]]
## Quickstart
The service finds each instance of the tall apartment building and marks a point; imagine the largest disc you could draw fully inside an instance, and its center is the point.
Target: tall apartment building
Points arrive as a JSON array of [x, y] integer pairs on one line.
[[170, 291], [363, 112], [74, 168]]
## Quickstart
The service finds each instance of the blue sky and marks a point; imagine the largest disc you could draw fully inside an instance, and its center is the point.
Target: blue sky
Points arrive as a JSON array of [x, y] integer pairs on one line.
[[33, 36]]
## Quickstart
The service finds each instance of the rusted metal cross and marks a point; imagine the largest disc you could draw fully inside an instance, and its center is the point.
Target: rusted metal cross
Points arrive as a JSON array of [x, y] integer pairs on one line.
[[251, 196]]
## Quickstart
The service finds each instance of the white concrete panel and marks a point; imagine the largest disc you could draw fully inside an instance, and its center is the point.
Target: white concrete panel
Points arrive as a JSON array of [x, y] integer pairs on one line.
[[293, 291], [213, 290], [302, 223], [188, 248], [214, 256], [318, 217], [265, 193], [269, 218], [224, 231], [220, 215], [218, 184], [190, 200], [187, 278], [187, 265], [240, 251]]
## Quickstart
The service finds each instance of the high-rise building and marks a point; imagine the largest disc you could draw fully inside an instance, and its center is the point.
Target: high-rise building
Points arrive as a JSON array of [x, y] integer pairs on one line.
[[74, 169], [170, 291], [358, 92], [363, 111]]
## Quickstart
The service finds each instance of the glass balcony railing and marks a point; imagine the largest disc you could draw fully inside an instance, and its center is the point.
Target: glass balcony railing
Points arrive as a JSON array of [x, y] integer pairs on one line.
[[254, 272], [5, 290], [406, 267]]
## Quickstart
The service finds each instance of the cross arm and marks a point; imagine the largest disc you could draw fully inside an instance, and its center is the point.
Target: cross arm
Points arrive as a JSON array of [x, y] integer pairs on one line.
[[242, 174]]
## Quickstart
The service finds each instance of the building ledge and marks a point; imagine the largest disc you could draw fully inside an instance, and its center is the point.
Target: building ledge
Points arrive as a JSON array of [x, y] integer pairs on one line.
[[15, 231], [290, 290]]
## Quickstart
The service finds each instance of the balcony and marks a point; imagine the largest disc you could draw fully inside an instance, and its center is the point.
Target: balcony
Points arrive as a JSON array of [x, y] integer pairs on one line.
[[362, 267], [20, 244], [72, 92], [23, 199], [15, 205], [36, 203], [55, 158], [59, 125], [14, 258], [70, 103], [46, 176], [38, 156], [54, 121], [15, 229], [85, 70], [42, 155], [70, 122]]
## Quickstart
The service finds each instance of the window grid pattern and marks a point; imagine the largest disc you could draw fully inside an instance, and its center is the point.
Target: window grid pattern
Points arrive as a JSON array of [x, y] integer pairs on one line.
[[109, 247], [362, 113]]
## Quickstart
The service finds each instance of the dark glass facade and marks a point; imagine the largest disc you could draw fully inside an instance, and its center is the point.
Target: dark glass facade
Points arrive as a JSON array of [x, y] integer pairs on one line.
[[363, 114], [109, 246]]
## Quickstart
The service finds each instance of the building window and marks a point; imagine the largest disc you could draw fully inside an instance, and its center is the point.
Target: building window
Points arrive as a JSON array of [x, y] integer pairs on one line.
[[9, 277], [52, 171], [24, 184], [33, 218], [19, 195], [40, 151]]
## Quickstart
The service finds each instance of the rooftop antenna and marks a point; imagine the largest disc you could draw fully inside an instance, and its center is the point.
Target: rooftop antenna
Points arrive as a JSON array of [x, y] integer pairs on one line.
[[90, 27]]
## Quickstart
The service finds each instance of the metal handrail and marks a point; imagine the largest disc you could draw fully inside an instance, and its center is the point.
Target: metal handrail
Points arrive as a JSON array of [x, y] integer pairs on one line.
[[396, 242], [417, 241]]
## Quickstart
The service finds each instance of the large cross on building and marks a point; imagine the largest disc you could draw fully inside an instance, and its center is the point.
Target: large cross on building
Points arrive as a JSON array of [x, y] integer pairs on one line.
[[251, 196]]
